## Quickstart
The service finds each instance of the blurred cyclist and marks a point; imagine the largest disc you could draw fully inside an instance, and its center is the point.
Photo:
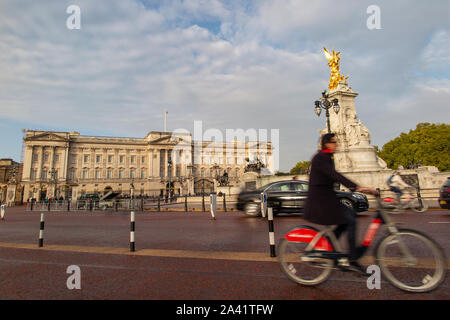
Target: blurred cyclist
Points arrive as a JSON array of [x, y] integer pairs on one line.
[[322, 205], [397, 185]]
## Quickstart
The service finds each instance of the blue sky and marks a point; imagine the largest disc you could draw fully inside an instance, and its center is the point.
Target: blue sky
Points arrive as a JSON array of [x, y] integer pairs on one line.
[[230, 64]]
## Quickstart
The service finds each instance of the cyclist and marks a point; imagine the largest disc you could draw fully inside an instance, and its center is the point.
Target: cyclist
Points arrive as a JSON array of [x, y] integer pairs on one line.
[[397, 185], [322, 205]]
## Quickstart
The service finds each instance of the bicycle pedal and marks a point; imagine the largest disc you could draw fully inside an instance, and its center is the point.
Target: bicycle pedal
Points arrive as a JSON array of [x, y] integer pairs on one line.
[[343, 262]]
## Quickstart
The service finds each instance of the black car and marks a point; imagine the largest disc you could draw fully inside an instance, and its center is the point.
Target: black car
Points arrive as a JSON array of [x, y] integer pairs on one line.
[[289, 196], [444, 195], [88, 199]]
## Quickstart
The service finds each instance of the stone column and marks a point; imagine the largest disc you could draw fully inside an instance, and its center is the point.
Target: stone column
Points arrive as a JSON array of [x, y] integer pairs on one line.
[[156, 163], [115, 164], [65, 162], [28, 163], [40, 162], [150, 161], [165, 157]]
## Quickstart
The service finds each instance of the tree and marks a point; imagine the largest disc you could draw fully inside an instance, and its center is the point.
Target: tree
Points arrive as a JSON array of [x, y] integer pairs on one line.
[[428, 145], [280, 173], [301, 167]]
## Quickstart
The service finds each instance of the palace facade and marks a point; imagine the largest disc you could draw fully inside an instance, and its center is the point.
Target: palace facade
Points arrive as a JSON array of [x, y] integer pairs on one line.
[[67, 164]]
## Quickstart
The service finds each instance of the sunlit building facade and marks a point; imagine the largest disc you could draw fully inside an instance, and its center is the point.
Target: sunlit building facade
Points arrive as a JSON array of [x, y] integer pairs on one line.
[[67, 164]]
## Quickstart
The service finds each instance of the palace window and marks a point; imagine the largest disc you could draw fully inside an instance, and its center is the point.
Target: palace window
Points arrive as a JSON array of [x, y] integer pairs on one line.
[[121, 158], [85, 174], [86, 158], [44, 173], [33, 174], [132, 173], [132, 159], [121, 174], [35, 157], [45, 157], [98, 158], [56, 157], [143, 159], [74, 159], [97, 173], [143, 173], [72, 174], [109, 174], [110, 159]]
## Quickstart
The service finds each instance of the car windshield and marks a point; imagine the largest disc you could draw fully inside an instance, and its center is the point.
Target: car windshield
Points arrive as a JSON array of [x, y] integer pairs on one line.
[[300, 186], [280, 186]]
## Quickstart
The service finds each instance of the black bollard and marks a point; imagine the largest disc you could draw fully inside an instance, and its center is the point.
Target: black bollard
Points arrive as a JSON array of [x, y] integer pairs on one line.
[[224, 203], [41, 231], [132, 229], [159, 204], [185, 204], [203, 202], [271, 232]]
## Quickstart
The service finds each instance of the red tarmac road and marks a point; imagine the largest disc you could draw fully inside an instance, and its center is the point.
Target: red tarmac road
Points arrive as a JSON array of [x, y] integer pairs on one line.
[[178, 256]]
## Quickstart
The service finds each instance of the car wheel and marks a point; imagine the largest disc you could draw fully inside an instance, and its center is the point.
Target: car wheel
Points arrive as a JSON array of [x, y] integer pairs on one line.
[[252, 209], [347, 202]]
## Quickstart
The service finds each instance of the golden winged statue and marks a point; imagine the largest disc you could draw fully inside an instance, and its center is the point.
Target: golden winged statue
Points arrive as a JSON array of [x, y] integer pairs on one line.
[[333, 62]]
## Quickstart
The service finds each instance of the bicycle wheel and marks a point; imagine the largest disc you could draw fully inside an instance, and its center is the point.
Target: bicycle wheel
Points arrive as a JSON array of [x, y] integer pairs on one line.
[[418, 205], [300, 268], [411, 261]]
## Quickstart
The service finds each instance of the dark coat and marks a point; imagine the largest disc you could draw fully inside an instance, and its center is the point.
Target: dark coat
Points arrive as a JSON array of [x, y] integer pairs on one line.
[[322, 205]]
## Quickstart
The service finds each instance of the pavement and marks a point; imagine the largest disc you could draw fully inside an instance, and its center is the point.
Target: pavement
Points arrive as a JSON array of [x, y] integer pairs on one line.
[[179, 256]]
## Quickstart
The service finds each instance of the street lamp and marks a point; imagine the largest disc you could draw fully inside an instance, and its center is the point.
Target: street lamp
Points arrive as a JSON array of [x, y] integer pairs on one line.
[[190, 177], [326, 104], [169, 167]]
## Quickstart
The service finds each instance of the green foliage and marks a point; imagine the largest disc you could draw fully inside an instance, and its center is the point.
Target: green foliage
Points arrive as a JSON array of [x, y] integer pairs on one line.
[[428, 144], [301, 167], [279, 173]]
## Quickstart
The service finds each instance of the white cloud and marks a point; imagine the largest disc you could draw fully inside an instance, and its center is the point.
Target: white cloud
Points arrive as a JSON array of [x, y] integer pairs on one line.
[[262, 68]]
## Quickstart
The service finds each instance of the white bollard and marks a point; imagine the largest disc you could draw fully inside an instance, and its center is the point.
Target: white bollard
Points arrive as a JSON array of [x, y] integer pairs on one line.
[[3, 212], [271, 232], [213, 205], [263, 204], [132, 229], [41, 231]]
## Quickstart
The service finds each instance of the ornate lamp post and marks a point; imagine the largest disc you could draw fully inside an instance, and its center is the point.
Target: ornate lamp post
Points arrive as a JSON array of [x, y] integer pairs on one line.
[[190, 167], [169, 167], [326, 104]]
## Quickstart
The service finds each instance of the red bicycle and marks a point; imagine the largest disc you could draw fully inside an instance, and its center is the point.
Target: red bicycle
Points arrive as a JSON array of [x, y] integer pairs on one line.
[[308, 256]]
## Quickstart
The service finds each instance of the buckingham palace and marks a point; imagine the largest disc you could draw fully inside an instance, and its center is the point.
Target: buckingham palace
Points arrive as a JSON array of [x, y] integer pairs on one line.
[[67, 164]]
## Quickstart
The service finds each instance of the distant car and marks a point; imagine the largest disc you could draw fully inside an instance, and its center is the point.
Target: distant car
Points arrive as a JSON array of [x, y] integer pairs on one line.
[[444, 195], [289, 196], [108, 200], [86, 199]]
